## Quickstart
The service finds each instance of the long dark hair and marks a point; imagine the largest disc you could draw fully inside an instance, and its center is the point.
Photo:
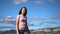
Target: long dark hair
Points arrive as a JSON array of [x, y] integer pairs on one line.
[[21, 11]]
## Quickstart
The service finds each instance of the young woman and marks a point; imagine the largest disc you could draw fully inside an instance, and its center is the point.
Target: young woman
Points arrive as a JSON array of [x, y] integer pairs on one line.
[[21, 22]]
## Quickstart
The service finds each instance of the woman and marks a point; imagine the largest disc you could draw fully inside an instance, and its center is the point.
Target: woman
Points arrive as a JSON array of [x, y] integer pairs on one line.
[[21, 22]]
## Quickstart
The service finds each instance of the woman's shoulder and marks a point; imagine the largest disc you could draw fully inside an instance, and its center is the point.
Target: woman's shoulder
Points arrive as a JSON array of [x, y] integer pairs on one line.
[[21, 16], [18, 16]]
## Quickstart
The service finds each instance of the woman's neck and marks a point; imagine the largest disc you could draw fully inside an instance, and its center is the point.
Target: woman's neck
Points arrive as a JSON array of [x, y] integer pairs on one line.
[[22, 15]]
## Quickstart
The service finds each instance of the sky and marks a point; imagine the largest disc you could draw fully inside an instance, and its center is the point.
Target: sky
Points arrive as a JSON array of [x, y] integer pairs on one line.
[[40, 13]]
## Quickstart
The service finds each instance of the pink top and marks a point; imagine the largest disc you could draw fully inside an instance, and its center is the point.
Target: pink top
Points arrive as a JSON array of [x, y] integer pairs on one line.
[[22, 22]]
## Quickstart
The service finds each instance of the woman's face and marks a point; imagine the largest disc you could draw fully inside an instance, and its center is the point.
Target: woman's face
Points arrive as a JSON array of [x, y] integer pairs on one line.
[[23, 11]]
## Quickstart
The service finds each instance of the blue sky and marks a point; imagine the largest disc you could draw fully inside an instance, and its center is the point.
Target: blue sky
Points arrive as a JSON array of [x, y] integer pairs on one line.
[[40, 13]]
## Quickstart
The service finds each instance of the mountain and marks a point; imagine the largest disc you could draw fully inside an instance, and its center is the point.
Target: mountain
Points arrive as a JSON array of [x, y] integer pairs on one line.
[[55, 30]]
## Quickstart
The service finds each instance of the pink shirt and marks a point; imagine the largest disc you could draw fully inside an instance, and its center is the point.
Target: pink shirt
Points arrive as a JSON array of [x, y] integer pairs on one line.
[[22, 22]]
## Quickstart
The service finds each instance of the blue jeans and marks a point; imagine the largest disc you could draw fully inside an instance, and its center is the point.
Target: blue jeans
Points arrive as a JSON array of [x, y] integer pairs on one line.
[[23, 32]]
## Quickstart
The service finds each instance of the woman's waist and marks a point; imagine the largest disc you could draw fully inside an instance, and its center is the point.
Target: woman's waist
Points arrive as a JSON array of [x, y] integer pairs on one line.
[[22, 24], [22, 28]]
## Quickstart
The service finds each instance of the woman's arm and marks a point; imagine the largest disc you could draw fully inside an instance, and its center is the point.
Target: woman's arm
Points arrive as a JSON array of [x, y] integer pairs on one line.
[[17, 26]]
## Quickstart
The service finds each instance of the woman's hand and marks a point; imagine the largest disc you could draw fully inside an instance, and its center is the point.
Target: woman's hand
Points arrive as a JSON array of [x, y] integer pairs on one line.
[[18, 33], [28, 32]]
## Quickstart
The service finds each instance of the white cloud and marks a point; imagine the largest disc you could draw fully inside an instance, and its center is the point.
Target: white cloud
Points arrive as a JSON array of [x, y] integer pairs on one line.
[[44, 1], [8, 19], [11, 21], [56, 16], [19, 1], [39, 1], [7, 27], [47, 22], [1, 20], [31, 24], [36, 18], [51, 1]]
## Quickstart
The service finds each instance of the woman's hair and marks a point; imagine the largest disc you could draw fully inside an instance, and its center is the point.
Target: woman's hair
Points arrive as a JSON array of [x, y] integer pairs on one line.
[[21, 11]]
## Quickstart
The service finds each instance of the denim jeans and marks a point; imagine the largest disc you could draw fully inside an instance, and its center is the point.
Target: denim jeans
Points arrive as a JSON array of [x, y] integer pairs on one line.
[[23, 32]]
